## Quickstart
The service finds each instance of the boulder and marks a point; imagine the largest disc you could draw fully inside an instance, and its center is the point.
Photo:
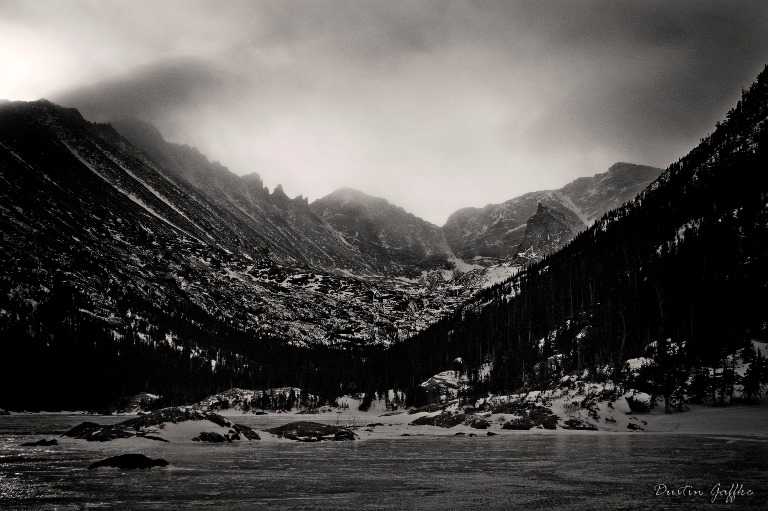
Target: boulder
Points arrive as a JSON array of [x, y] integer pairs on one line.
[[549, 422], [42, 442], [93, 432], [518, 424], [307, 431], [443, 420], [210, 436], [130, 461], [246, 431], [344, 435], [480, 424], [579, 425]]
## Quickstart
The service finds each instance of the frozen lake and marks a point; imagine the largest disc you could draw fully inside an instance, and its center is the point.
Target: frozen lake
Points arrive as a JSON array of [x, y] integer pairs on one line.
[[527, 471]]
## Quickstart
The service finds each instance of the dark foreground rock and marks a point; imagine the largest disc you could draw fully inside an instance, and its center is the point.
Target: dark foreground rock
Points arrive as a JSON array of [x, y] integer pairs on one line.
[[579, 425], [344, 435], [209, 436], [443, 420], [246, 431], [480, 424], [97, 433], [518, 424], [131, 461], [305, 431], [531, 415], [42, 442]]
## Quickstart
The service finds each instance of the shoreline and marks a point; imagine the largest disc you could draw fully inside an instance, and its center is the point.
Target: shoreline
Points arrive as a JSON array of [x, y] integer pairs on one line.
[[734, 422]]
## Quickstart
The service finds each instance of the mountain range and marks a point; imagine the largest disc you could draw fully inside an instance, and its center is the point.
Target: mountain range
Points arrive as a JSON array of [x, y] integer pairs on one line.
[[119, 245], [502, 231]]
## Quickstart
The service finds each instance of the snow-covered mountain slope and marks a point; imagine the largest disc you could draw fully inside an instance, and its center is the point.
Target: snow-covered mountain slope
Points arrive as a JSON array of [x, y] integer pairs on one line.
[[294, 232], [84, 210], [497, 230]]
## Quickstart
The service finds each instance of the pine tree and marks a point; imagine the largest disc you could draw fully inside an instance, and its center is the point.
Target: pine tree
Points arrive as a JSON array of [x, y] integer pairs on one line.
[[754, 377]]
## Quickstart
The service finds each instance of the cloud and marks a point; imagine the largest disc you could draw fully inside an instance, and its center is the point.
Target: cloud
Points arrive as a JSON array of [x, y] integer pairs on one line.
[[435, 105]]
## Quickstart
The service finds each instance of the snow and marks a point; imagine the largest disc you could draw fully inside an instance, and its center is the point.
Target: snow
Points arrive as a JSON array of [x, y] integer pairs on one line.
[[636, 363], [499, 273], [462, 265]]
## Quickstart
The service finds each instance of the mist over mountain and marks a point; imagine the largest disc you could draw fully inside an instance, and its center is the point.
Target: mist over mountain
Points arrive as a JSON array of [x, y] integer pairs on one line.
[[364, 238], [380, 229]]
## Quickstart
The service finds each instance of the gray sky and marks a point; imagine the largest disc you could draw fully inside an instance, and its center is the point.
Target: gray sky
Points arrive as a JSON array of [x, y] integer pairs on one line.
[[434, 105]]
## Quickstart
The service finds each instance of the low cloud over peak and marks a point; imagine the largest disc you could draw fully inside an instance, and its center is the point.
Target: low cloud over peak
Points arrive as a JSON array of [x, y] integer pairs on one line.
[[433, 105]]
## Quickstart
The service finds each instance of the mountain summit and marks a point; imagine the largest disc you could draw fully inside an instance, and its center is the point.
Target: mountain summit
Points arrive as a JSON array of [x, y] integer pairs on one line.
[[380, 229]]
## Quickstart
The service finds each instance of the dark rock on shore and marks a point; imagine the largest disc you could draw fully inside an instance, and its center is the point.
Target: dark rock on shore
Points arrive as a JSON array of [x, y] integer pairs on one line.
[[532, 415], [93, 432], [480, 424], [443, 420], [42, 442], [549, 422], [144, 426], [132, 461], [518, 424], [579, 425], [246, 431], [305, 431], [344, 435], [210, 436]]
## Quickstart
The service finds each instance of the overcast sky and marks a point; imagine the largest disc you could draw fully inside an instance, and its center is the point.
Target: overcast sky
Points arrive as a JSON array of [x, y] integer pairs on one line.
[[434, 105]]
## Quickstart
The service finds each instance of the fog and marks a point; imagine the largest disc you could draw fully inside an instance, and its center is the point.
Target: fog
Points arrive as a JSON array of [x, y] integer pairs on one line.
[[434, 105]]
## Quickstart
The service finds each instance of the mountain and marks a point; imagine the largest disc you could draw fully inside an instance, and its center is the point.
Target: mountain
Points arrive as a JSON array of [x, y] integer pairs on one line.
[[497, 230], [381, 230], [678, 276], [292, 233], [362, 236], [545, 232], [116, 266]]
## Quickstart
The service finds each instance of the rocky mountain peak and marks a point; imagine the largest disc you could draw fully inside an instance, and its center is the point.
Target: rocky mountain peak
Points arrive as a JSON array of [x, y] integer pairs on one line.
[[546, 231]]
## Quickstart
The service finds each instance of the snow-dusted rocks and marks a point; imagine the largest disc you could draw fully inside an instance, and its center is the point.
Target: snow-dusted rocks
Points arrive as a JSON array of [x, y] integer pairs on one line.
[[167, 425], [305, 431]]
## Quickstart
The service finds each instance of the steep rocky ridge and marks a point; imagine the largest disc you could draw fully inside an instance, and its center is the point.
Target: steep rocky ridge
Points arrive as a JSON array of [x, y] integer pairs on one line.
[[546, 231]]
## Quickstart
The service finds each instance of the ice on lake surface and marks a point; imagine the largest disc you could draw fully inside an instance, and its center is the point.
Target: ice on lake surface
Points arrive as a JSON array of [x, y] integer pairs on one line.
[[524, 471]]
